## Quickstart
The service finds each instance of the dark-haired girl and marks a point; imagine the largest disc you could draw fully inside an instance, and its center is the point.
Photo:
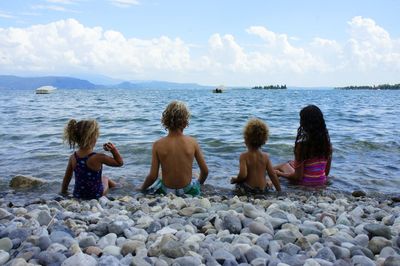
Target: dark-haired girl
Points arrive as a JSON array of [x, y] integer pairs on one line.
[[312, 151]]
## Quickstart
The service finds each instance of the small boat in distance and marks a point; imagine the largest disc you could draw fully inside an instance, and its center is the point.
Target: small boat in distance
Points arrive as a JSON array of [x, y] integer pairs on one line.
[[219, 89], [45, 90]]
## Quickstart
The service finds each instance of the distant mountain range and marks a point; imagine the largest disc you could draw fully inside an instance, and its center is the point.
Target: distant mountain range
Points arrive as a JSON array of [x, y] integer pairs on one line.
[[31, 83]]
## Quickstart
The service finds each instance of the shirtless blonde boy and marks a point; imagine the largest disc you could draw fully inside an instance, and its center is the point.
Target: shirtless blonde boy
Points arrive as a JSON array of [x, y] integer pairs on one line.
[[254, 162], [175, 153]]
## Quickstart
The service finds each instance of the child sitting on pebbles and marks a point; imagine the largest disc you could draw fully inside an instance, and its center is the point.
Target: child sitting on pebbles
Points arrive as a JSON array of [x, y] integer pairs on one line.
[[175, 154], [86, 164], [254, 162]]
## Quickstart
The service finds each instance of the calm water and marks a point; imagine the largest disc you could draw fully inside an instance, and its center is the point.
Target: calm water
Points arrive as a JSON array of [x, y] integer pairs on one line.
[[364, 127]]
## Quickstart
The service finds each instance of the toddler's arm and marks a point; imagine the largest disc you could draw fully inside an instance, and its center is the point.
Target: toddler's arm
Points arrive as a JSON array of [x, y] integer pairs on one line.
[[202, 164], [272, 175], [116, 160], [67, 177], [242, 170]]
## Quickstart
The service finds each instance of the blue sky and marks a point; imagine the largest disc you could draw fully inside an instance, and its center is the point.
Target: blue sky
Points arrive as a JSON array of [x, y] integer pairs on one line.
[[298, 43]]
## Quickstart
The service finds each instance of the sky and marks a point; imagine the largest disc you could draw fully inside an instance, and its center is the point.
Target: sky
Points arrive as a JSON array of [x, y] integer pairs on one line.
[[236, 43]]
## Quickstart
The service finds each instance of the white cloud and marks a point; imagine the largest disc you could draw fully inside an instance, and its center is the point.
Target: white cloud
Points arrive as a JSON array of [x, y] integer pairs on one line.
[[50, 7], [6, 15], [124, 3], [370, 56]]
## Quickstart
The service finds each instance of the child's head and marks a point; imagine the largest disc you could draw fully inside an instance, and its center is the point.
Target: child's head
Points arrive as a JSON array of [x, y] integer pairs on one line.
[[255, 133], [312, 133], [83, 133], [175, 116]]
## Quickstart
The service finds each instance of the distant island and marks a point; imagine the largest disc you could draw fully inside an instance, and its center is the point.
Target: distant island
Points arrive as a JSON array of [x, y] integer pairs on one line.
[[270, 87], [379, 87], [59, 82]]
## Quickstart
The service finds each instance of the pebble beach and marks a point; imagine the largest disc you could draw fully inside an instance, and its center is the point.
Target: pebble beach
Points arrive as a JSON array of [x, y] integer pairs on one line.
[[307, 228]]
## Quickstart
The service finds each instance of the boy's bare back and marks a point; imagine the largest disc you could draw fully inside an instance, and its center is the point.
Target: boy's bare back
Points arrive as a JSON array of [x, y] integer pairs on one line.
[[256, 165], [176, 153]]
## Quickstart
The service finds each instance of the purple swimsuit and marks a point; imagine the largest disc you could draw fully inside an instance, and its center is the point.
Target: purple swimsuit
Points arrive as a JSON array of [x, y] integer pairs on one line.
[[88, 183]]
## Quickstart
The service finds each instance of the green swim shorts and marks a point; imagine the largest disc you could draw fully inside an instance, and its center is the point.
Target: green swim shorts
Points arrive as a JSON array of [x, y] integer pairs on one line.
[[192, 189]]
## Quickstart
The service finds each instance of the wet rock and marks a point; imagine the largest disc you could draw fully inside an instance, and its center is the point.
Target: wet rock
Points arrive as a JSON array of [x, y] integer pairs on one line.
[[358, 193], [21, 181]]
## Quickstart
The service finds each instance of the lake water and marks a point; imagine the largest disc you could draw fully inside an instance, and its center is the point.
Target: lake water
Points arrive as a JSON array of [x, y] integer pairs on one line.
[[364, 127]]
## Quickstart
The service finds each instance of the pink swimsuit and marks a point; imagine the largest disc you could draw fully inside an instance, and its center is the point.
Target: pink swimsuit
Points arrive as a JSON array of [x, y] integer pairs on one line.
[[314, 171]]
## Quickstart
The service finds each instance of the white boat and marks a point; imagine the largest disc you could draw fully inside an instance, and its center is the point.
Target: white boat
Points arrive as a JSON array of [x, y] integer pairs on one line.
[[45, 90]]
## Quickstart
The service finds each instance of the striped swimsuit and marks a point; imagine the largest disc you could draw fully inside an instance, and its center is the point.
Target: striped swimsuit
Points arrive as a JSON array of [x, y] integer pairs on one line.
[[314, 171]]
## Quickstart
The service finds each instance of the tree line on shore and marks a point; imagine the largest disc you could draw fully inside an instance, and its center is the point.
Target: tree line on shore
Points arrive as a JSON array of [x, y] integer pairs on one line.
[[378, 87]]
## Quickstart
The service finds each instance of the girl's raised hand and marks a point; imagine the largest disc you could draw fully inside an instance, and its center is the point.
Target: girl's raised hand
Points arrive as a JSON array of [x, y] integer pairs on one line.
[[108, 146]]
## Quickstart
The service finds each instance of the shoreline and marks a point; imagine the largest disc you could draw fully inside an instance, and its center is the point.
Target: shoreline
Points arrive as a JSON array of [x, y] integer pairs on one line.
[[310, 228]]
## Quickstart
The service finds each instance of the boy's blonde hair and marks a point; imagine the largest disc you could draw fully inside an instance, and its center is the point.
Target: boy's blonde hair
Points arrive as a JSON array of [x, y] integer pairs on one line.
[[255, 133], [83, 133], [175, 116]]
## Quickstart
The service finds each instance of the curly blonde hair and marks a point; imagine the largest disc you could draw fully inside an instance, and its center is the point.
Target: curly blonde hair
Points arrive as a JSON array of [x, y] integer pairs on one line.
[[175, 116], [83, 133], [255, 133]]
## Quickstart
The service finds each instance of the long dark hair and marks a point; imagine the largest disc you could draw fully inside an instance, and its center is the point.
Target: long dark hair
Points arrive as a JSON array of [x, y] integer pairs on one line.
[[312, 135]]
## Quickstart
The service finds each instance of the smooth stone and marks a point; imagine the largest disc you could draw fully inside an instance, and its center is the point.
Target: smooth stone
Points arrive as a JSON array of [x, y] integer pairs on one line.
[[291, 249], [6, 244], [153, 227], [4, 214], [311, 262], [263, 241], [166, 230], [50, 258], [87, 242], [398, 241], [342, 219], [357, 250], [296, 260], [259, 228], [387, 252], [256, 252], [377, 243], [80, 259], [303, 243], [361, 260], [362, 240], [44, 217], [177, 203], [21, 181], [56, 247], [221, 255], [93, 250], [285, 235], [340, 252], [173, 249], [58, 236], [259, 262], [131, 246], [109, 260], [392, 261], [341, 262], [139, 261], [101, 229], [20, 233], [19, 262], [107, 240], [117, 227], [186, 261], [378, 230], [232, 223], [44, 242], [326, 254], [250, 211], [112, 250], [4, 257]]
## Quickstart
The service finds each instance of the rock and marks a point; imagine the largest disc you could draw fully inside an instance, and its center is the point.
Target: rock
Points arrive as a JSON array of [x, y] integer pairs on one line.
[[362, 240], [286, 236], [44, 242], [4, 257], [387, 252], [6, 244], [361, 251], [186, 261], [44, 217], [58, 236], [340, 252], [291, 249], [256, 252], [4, 214], [232, 223], [87, 242], [358, 193], [259, 262], [396, 199], [21, 181], [221, 255], [153, 227], [130, 247], [361, 260], [138, 261], [117, 227], [250, 211], [20, 233], [112, 250], [50, 258], [263, 241], [108, 260], [259, 228], [173, 249], [377, 243], [93, 250], [177, 203], [107, 240], [392, 261], [80, 259], [378, 230], [326, 254]]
